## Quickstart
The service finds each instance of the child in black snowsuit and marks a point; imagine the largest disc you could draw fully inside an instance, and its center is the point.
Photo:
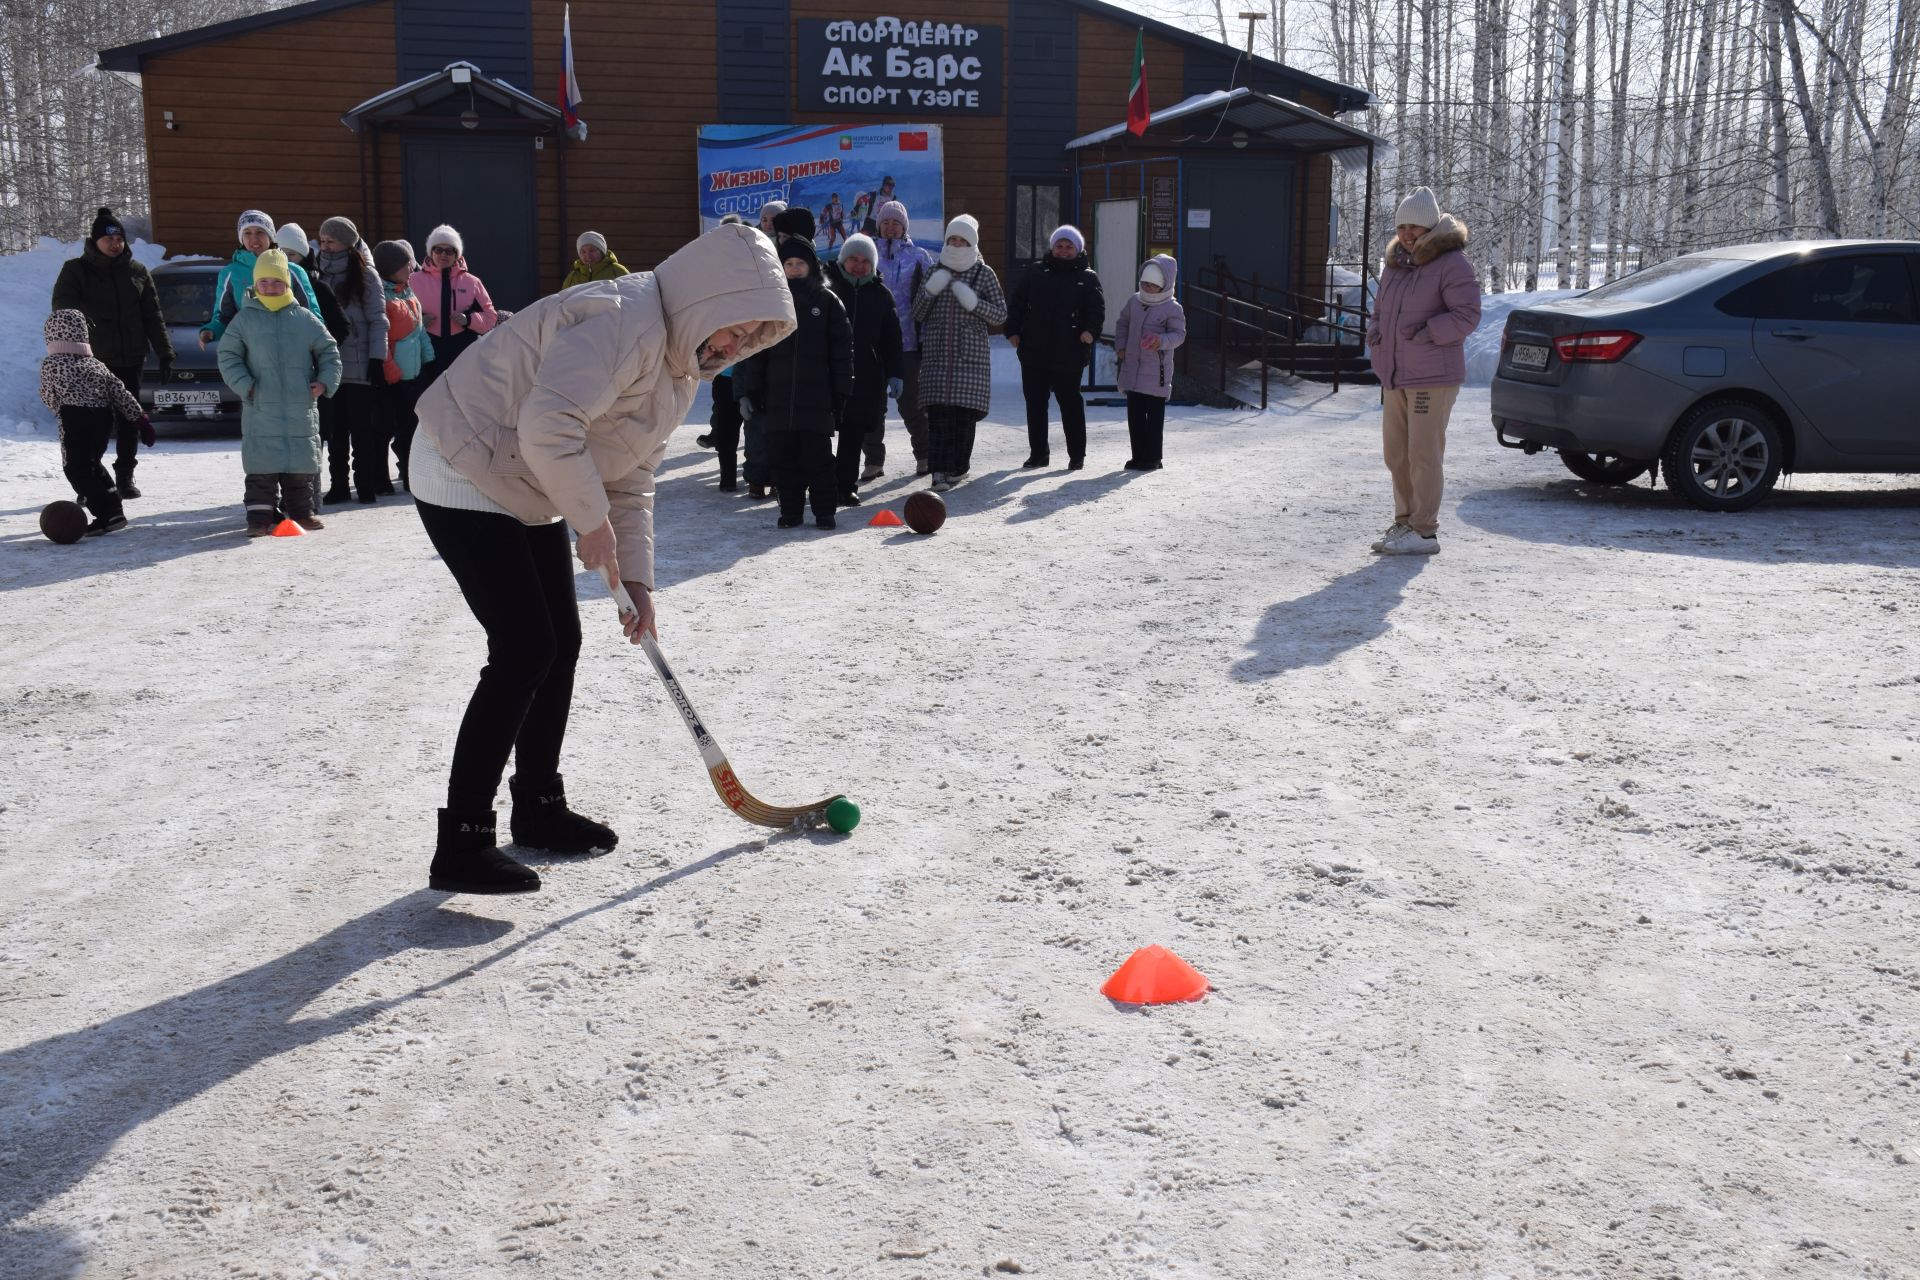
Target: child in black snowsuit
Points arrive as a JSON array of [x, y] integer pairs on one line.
[[796, 390], [88, 397], [878, 366]]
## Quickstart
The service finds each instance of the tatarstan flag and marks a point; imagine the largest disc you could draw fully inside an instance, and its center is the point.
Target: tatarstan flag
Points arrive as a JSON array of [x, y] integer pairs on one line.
[[1138, 113]]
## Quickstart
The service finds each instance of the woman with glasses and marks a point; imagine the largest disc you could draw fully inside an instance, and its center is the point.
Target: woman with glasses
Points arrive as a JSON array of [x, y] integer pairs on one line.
[[453, 301]]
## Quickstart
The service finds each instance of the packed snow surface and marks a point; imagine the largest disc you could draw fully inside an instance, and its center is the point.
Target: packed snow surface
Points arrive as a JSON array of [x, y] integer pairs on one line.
[[1557, 892]]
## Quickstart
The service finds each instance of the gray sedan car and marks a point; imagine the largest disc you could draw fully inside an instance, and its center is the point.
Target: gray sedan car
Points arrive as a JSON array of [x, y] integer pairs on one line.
[[1725, 368], [193, 393]]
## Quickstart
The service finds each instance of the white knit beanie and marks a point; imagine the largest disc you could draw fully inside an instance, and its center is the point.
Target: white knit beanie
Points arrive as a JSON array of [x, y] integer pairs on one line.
[[1421, 209], [860, 246], [254, 218], [772, 208], [444, 234], [292, 239], [593, 238], [967, 227], [1069, 233]]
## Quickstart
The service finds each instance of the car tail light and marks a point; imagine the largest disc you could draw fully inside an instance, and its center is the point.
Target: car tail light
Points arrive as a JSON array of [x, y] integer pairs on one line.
[[1601, 347]]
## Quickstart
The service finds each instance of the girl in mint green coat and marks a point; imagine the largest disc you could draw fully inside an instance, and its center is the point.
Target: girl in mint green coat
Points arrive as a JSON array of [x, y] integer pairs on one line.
[[279, 359]]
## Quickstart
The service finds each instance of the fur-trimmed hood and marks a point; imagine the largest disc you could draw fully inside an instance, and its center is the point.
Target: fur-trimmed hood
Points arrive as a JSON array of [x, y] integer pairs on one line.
[[1450, 234]]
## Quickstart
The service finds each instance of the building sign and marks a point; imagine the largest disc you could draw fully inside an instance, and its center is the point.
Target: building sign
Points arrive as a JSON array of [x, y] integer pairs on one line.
[[1199, 219], [842, 172], [899, 68], [1160, 212]]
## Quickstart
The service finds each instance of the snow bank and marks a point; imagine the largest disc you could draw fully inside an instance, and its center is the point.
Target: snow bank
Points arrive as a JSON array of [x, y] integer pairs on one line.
[[26, 294], [1483, 347]]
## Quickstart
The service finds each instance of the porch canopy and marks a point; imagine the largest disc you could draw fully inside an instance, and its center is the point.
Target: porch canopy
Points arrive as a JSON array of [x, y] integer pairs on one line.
[[458, 96], [1243, 117]]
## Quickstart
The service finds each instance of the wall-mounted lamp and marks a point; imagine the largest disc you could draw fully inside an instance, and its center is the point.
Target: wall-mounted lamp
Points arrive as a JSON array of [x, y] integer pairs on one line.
[[168, 117], [1240, 139], [462, 75]]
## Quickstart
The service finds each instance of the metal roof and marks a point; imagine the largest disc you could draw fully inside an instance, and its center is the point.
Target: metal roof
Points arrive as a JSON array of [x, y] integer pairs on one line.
[[1207, 116], [413, 96], [127, 57]]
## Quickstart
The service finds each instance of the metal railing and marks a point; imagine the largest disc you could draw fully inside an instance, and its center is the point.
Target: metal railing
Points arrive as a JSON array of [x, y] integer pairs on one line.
[[1266, 323]]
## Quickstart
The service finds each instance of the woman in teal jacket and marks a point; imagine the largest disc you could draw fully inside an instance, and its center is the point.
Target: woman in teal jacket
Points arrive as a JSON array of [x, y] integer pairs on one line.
[[279, 359], [230, 289]]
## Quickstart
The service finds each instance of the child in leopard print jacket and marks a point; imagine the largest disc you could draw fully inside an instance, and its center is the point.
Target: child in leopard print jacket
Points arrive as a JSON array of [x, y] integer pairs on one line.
[[87, 396]]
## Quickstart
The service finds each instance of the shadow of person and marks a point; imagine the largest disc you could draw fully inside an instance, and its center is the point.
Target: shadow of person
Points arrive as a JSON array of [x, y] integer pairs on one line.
[[1798, 526], [1315, 629], [66, 1100], [30, 560], [1051, 502]]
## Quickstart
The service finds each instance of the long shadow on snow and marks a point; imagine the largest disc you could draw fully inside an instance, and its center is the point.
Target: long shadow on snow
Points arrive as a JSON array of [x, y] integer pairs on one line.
[[1790, 526], [67, 1100], [32, 561], [1314, 629]]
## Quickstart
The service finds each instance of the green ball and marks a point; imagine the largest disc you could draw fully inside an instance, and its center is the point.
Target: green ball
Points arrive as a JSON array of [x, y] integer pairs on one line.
[[843, 815]]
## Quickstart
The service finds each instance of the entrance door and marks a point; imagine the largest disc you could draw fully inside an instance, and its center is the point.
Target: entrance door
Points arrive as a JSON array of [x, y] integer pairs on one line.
[[483, 188], [1116, 253]]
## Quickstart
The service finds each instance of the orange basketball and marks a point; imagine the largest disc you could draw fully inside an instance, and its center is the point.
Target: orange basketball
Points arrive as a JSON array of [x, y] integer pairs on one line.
[[925, 511]]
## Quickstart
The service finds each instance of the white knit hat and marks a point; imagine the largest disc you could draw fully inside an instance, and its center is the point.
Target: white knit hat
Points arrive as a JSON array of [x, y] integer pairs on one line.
[[254, 218], [292, 238], [770, 208], [1069, 233], [860, 246], [444, 234], [1421, 209], [967, 227], [593, 238]]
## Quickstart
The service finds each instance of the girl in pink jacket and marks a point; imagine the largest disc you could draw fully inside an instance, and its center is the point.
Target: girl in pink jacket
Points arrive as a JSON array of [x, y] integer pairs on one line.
[[453, 301]]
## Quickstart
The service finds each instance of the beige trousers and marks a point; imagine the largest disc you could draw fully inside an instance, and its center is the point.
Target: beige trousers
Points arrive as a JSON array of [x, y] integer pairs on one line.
[[1413, 429]]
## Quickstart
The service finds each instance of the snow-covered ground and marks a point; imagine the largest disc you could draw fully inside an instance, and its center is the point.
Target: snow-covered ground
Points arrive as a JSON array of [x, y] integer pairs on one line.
[[1558, 892]]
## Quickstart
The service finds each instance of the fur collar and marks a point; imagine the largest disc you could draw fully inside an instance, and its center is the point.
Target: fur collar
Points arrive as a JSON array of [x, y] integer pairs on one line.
[[1451, 234]]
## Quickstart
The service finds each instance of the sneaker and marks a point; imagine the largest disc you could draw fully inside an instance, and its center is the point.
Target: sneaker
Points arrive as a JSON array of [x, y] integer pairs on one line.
[[825, 522], [1408, 543], [705, 442], [758, 492], [106, 524], [922, 467], [310, 523], [1380, 543], [873, 472], [849, 499], [940, 483]]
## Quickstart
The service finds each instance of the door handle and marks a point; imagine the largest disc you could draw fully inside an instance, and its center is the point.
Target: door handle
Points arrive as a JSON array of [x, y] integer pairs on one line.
[[1797, 335]]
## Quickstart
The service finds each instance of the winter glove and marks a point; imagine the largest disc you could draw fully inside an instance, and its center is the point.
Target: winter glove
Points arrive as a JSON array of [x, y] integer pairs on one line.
[[377, 372], [145, 425], [166, 372], [744, 405], [939, 280], [390, 369], [895, 388], [964, 295]]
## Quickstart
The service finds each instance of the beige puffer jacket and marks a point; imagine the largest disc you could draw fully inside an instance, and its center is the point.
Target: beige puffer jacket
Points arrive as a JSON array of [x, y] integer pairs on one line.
[[566, 407]]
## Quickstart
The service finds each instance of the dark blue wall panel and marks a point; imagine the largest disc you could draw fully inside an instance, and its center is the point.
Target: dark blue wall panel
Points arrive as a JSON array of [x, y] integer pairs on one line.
[[494, 35], [1040, 87], [754, 85]]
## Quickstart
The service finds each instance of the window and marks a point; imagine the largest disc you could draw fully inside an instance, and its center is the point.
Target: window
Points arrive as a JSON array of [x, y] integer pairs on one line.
[[1861, 289], [1036, 212], [186, 298], [1665, 282]]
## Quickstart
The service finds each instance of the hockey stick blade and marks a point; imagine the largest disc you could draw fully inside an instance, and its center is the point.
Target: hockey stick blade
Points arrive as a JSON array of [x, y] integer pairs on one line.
[[726, 783]]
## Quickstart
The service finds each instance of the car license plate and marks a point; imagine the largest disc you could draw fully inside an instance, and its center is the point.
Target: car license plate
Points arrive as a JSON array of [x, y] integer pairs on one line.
[[199, 395], [1526, 355]]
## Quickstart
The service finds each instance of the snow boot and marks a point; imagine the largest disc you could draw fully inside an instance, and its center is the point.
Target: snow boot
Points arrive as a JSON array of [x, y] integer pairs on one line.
[[124, 482], [106, 524], [541, 820], [873, 472], [466, 859]]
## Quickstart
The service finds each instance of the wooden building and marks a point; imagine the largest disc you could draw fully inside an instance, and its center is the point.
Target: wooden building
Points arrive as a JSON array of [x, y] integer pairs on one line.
[[405, 113]]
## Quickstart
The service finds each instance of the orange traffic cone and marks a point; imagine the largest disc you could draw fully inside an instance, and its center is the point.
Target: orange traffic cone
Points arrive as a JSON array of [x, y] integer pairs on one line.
[[287, 529], [1154, 975], [884, 519]]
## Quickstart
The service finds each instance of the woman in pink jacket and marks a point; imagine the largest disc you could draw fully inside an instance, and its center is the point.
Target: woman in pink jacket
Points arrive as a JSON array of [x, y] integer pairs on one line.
[[1429, 302], [453, 301]]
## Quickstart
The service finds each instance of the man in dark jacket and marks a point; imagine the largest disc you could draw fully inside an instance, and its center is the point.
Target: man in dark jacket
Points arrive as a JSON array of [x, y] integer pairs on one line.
[[797, 390], [122, 308], [878, 366], [1056, 312]]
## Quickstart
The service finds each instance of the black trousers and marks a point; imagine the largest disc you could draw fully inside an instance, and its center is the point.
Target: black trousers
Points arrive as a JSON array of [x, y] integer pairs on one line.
[[950, 438], [803, 466], [126, 457], [724, 423], [401, 397], [518, 581], [84, 433], [356, 429], [1146, 423], [1038, 382], [857, 433]]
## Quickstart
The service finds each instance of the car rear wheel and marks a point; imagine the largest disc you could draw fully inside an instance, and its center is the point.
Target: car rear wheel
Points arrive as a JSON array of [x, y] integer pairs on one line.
[[1724, 456], [1603, 468]]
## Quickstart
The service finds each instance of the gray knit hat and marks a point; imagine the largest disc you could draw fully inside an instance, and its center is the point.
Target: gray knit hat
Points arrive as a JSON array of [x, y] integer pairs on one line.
[[341, 229], [1421, 209]]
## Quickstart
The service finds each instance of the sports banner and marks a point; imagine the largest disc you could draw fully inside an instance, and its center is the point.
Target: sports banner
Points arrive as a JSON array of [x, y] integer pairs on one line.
[[842, 172]]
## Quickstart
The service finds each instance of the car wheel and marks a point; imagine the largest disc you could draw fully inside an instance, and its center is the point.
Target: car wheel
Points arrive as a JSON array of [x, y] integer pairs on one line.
[[1724, 456], [1603, 468]]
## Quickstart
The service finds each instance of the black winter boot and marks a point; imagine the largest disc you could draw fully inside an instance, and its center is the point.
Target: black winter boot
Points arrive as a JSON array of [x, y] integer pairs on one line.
[[541, 820], [467, 861], [123, 478]]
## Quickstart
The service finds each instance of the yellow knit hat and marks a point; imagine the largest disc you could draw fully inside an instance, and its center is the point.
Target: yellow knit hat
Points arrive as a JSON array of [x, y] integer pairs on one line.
[[272, 265]]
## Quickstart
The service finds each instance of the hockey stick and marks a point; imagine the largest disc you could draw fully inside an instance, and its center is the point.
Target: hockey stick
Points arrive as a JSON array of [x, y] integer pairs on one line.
[[736, 796]]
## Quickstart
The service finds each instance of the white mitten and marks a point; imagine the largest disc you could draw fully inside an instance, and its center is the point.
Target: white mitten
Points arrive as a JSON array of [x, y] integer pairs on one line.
[[964, 295], [939, 280]]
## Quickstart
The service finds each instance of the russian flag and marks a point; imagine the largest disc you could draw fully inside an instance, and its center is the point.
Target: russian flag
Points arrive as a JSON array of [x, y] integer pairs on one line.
[[569, 100]]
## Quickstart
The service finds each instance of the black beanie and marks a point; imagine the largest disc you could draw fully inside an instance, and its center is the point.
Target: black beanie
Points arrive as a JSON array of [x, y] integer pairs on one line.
[[797, 221], [790, 246], [106, 223], [391, 255]]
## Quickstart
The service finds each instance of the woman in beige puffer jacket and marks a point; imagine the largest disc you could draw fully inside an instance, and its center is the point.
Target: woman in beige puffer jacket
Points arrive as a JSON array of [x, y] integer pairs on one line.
[[561, 417]]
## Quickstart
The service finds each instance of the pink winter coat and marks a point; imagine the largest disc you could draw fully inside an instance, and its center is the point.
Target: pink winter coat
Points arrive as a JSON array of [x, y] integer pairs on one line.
[[1429, 302], [1150, 372], [469, 298]]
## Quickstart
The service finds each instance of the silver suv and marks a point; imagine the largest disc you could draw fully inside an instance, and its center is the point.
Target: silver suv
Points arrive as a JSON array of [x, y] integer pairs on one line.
[[1725, 368]]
